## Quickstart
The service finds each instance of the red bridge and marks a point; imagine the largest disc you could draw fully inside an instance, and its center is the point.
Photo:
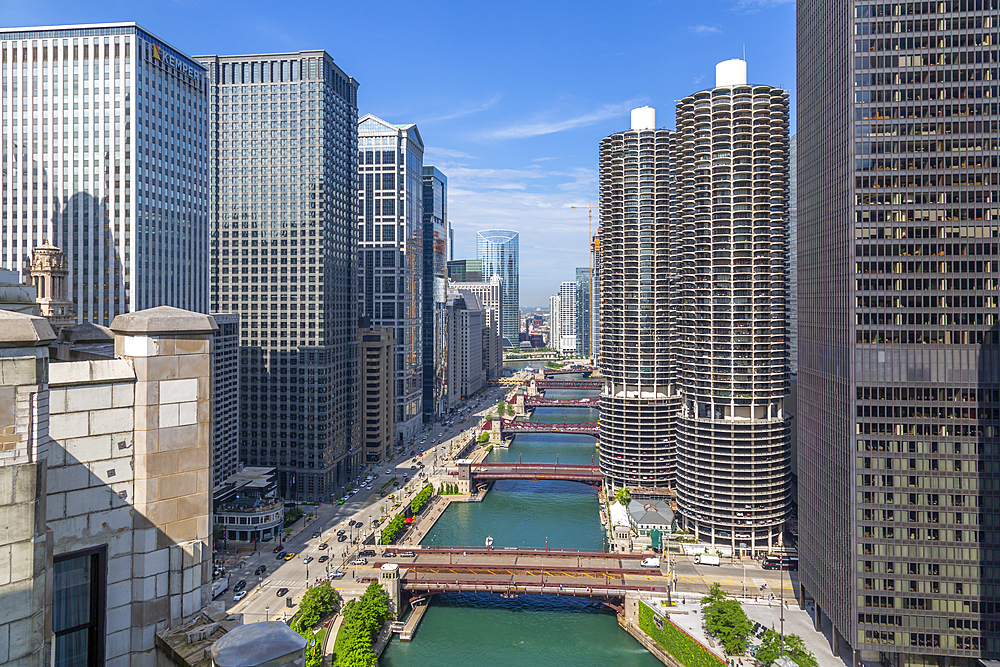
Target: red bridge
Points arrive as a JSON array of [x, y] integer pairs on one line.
[[536, 471], [539, 402], [574, 370], [568, 384], [512, 427]]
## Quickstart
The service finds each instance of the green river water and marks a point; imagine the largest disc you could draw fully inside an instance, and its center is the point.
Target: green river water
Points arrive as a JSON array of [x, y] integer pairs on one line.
[[467, 629]]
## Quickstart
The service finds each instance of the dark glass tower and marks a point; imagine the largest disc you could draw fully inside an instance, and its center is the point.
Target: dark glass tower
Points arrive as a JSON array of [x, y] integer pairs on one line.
[[434, 297], [899, 370]]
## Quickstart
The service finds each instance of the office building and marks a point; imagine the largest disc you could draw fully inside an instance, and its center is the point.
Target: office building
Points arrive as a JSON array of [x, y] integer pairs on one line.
[[567, 318], [497, 249], [390, 255], [595, 299], [378, 433], [490, 298], [793, 262], [465, 271], [638, 400], [283, 149], [555, 331], [898, 225], [732, 430], [468, 332], [435, 289], [225, 397], [583, 312], [246, 506], [114, 152]]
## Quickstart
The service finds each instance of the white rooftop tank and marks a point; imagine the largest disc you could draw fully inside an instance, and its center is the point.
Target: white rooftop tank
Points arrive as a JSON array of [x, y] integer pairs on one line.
[[730, 73], [644, 118]]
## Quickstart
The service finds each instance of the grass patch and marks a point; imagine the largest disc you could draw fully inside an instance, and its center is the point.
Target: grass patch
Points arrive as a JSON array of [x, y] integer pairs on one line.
[[682, 646], [388, 483]]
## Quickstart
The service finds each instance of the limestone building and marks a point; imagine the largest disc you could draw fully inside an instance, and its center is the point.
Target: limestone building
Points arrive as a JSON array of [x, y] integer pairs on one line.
[[490, 297], [378, 433], [467, 346]]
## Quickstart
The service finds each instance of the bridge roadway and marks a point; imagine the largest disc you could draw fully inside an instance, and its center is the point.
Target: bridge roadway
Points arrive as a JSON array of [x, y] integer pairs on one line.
[[541, 402], [568, 384], [535, 471], [513, 426]]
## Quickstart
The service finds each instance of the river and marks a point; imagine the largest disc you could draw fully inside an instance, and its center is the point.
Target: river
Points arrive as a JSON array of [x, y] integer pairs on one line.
[[465, 629]]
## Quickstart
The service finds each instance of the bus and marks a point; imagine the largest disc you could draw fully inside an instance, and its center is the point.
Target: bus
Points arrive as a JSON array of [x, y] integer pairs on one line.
[[782, 562]]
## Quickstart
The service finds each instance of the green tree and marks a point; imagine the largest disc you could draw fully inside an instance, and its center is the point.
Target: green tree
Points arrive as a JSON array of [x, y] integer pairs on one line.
[[795, 648], [727, 621], [317, 602], [715, 594], [623, 496]]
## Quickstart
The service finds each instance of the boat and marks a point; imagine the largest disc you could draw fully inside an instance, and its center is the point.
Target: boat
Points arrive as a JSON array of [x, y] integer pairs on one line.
[[489, 542]]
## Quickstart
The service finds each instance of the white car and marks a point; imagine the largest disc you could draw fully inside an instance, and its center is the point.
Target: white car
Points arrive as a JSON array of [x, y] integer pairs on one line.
[[650, 562], [240, 595]]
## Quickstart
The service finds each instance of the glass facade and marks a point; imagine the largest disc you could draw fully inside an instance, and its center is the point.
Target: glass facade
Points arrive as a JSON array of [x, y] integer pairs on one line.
[[435, 288], [284, 147], [391, 252], [898, 150], [497, 249], [465, 270], [583, 312], [104, 137]]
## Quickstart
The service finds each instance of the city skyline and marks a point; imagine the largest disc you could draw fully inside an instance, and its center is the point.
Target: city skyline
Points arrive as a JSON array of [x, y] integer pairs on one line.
[[515, 139]]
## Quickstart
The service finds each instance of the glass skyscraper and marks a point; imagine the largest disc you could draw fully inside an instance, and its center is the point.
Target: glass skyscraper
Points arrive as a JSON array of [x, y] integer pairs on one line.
[[435, 294], [497, 249], [899, 366], [105, 154], [583, 312], [391, 255], [284, 150]]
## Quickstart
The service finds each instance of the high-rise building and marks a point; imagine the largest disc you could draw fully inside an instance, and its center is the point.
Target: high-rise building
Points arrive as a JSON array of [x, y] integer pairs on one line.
[[111, 140], [465, 270], [555, 331], [497, 249], [225, 397], [732, 430], [793, 261], [490, 297], [284, 141], [567, 317], [595, 299], [583, 312], [467, 353], [390, 260], [377, 353], [899, 391], [638, 400], [435, 291]]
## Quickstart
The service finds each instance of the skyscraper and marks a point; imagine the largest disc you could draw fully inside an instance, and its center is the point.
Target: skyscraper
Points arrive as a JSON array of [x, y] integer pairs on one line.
[[225, 397], [465, 270], [638, 402], [733, 434], [497, 249], [490, 298], [391, 260], [583, 312], [118, 173], [284, 141], [898, 228], [435, 291], [567, 317], [555, 320]]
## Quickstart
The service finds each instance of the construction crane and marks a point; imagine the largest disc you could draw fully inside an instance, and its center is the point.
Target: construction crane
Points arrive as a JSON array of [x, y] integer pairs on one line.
[[590, 277]]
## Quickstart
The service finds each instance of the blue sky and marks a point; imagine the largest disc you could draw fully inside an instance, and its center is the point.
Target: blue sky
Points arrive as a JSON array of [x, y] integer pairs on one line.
[[511, 97]]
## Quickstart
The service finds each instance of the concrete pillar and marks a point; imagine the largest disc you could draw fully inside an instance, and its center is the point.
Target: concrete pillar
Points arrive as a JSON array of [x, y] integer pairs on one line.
[[25, 546], [818, 619], [802, 596], [171, 351], [835, 641]]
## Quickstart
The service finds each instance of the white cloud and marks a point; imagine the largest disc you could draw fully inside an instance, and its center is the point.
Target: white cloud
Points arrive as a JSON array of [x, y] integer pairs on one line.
[[436, 151], [702, 29], [463, 111], [535, 129]]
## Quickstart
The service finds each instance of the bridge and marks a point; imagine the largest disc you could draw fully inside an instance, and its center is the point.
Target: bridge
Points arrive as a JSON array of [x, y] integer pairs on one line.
[[567, 384], [536, 471], [510, 426], [540, 402], [574, 370]]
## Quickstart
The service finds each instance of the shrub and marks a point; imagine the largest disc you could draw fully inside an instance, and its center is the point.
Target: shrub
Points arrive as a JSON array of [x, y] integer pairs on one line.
[[393, 529], [421, 499], [362, 619], [727, 621], [684, 648]]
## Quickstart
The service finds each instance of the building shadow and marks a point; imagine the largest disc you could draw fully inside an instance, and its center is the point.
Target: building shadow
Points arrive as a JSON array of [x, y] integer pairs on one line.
[[984, 606]]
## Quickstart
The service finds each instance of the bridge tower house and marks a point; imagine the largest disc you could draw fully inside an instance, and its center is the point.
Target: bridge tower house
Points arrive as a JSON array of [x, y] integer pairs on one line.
[[519, 402], [393, 585]]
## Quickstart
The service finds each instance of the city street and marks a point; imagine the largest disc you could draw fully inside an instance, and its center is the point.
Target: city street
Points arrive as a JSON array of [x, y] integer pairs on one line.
[[262, 601]]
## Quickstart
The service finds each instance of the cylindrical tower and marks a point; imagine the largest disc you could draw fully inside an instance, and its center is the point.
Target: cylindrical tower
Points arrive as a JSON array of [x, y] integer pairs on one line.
[[497, 249], [733, 434], [638, 402]]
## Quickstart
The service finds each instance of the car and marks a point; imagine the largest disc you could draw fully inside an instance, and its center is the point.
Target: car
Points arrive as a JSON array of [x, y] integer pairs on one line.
[[381, 494], [405, 475], [359, 561], [239, 595], [281, 555], [324, 558], [406, 554], [281, 591], [336, 574], [395, 485], [260, 570], [323, 545], [240, 585], [341, 538], [369, 553], [650, 562], [340, 501], [392, 496], [315, 534], [307, 559], [341, 531], [278, 549], [413, 467], [290, 555], [389, 554]]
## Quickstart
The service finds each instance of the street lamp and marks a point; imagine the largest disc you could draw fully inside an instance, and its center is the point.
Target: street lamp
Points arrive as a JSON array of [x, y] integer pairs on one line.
[[267, 613]]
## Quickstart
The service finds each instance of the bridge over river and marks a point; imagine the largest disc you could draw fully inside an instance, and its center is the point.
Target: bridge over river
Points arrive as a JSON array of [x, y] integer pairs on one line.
[[512, 427], [540, 402], [536, 471]]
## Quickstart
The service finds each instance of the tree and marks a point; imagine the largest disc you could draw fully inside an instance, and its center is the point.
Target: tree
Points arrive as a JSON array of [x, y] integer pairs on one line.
[[795, 648], [317, 602], [623, 496], [715, 595], [727, 621]]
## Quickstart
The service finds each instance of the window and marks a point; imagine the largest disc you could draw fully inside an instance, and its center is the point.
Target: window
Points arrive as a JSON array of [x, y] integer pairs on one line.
[[78, 607]]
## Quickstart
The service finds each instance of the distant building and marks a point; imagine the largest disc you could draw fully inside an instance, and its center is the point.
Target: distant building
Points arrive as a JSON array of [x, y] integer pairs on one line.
[[490, 296], [378, 428], [465, 271], [226, 397], [583, 312], [497, 249], [50, 276], [246, 506], [467, 346], [567, 318], [555, 329], [435, 289], [595, 300]]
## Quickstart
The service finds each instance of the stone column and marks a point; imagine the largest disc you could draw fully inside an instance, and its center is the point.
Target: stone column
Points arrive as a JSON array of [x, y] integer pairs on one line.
[[25, 548], [171, 351]]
